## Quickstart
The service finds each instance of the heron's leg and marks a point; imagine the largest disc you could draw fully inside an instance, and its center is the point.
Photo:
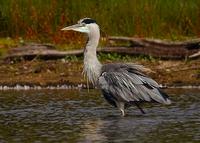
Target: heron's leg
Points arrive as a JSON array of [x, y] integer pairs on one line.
[[120, 105], [123, 112], [139, 107]]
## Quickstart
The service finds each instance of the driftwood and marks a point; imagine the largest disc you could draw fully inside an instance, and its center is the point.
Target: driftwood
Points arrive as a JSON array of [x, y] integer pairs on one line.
[[195, 55], [145, 42], [162, 49], [31, 51], [137, 46]]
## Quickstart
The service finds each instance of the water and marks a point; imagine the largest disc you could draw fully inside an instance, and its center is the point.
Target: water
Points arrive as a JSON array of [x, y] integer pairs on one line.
[[76, 116]]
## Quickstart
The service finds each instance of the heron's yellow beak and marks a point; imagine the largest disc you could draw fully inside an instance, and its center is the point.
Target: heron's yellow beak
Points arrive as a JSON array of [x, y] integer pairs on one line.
[[77, 27]]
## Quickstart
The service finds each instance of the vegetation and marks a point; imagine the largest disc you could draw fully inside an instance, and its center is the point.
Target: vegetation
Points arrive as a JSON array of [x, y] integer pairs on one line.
[[41, 20], [5, 44], [108, 57]]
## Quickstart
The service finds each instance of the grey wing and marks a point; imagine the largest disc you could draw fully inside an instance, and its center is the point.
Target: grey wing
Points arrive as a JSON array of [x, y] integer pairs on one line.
[[126, 83]]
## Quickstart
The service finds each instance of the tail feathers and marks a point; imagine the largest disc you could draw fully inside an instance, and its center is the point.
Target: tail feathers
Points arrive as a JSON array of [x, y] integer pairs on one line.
[[167, 101]]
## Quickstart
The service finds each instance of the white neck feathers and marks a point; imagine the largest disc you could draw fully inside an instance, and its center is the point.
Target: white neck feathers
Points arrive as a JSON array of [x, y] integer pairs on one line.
[[92, 66]]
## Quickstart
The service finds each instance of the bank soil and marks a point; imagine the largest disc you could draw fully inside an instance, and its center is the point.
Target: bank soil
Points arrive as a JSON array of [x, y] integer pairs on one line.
[[59, 72]]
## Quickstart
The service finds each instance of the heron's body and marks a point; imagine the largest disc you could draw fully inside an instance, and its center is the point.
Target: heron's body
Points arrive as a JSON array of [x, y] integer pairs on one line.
[[122, 85]]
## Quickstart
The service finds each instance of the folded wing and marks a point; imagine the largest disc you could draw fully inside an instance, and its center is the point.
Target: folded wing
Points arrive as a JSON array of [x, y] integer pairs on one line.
[[126, 83]]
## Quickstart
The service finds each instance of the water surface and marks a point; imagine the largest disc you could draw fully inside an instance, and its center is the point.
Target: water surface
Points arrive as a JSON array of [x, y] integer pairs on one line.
[[78, 116]]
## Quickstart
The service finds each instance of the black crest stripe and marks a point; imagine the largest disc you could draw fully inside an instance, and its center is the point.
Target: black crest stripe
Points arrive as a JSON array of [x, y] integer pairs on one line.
[[88, 21]]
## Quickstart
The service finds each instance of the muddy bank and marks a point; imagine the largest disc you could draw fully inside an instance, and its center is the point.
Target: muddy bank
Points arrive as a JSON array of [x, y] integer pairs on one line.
[[62, 73]]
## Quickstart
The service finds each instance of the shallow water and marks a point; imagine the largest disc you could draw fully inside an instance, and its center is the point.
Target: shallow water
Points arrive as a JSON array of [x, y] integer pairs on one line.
[[78, 116]]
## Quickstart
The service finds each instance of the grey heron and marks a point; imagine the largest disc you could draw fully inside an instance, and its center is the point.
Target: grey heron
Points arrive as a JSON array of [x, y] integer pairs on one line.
[[122, 84]]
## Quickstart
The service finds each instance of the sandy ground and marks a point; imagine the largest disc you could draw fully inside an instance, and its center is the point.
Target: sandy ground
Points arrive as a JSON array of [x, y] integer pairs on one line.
[[58, 72]]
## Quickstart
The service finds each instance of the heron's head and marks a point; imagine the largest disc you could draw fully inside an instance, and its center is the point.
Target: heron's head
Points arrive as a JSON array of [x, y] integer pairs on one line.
[[85, 25]]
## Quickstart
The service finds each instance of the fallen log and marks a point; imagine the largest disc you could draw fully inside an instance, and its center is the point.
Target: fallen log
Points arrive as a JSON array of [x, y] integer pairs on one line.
[[32, 51], [145, 42], [147, 47], [195, 55], [162, 48], [53, 54]]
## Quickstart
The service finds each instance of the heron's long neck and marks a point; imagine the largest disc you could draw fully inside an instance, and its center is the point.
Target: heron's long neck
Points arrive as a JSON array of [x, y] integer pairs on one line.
[[92, 66]]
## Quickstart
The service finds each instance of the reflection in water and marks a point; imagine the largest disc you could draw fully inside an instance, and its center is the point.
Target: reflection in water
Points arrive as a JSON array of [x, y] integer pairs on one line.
[[79, 116], [91, 131]]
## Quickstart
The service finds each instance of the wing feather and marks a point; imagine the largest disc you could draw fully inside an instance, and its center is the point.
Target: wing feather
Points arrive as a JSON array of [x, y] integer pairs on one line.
[[126, 83]]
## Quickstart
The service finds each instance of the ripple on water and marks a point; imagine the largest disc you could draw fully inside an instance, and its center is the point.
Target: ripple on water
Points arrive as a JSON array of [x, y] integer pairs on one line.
[[79, 116]]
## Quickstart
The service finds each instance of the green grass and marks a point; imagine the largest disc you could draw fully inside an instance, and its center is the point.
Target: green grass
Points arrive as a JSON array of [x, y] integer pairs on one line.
[[41, 20], [5, 44], [110, 57]]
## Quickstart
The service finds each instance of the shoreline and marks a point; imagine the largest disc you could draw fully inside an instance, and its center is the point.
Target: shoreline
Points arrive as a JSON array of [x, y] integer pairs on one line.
[[78, 87], [65, 74]]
